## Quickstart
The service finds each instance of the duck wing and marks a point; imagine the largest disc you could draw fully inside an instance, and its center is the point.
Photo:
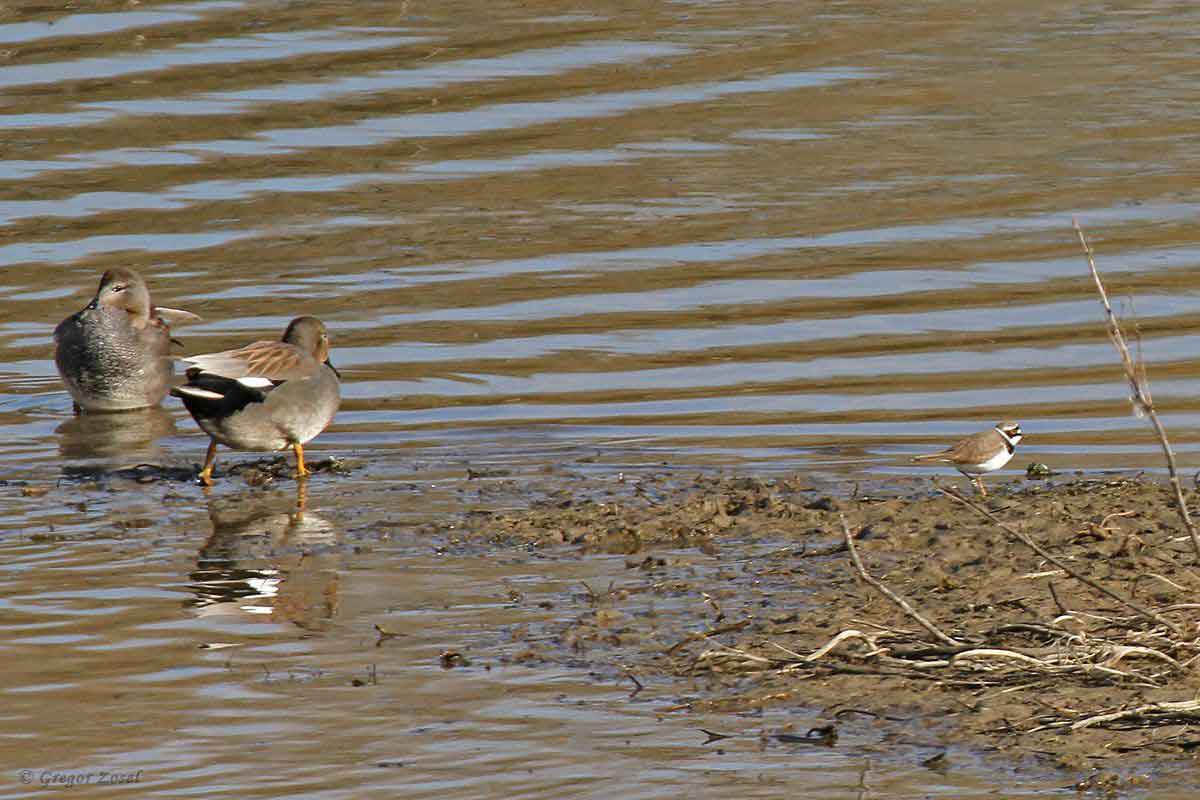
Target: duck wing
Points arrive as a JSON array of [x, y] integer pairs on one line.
[[273, 361]]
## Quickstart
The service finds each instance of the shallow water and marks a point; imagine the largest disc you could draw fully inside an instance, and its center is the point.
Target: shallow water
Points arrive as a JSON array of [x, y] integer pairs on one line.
[[229, 646], [757, 236]]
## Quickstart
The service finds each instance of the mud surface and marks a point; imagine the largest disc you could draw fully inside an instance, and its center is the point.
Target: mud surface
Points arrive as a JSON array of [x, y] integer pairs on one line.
[[713, 618], [780, 586]]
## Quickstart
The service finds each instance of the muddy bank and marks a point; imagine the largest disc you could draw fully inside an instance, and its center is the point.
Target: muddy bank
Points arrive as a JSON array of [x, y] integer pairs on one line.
[[1035, 657], [735, 595]]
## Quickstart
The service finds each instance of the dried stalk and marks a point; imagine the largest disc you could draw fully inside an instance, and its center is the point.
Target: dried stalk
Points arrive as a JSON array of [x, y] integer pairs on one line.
[[697, 636], [1181, 712], [890, 595], [1140, 387], [1041, 551], [821, 652]]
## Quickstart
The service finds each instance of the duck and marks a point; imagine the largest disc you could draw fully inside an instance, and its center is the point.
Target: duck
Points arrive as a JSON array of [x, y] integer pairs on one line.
[[269, 395], [114, 354]]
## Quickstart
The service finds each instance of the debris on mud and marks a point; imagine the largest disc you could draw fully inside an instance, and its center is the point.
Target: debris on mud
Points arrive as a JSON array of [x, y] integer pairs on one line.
[[137, 473], [1016, 653], [268, 470], [258, 472]]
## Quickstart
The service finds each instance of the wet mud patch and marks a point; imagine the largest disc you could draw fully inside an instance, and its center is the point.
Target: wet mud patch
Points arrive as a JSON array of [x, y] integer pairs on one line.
[[742, 595], [138, 473], [268, 470], [258, 472]]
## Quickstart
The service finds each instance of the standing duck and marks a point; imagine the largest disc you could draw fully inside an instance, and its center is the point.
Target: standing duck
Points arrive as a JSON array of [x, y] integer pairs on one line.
[[269, 395]]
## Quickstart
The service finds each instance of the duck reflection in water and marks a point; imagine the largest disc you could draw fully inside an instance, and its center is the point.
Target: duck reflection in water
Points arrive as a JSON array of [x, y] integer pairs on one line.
[[268, 557], [131, 436]]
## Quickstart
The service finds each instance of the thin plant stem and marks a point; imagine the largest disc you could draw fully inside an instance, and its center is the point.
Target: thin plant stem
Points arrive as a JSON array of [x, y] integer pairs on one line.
[[1058, 562], [1135, 373], [904, 605]]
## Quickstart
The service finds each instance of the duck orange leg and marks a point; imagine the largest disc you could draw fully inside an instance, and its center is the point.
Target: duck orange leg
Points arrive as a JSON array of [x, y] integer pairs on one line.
[[301, 470], [210, 460]]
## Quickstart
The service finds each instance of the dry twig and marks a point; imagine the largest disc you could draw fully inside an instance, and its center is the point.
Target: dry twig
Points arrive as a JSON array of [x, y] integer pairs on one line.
[[829, 646], [1135, 373], [698, 635], [1058, 562], [890, 595], [1185, 711]]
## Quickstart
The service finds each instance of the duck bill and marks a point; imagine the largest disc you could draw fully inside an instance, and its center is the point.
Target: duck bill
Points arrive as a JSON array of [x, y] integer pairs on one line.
[[329, 364]]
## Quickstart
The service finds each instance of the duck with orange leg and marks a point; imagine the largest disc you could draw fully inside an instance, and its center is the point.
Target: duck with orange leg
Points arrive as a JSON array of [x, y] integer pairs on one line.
[[269, 395]]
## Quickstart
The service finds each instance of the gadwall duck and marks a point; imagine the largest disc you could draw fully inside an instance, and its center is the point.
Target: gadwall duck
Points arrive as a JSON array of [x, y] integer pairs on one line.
[[114, 354], [270, 395]]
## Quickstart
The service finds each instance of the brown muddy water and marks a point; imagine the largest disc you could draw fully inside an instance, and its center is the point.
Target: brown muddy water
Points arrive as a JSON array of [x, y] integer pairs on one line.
[[553, 242]]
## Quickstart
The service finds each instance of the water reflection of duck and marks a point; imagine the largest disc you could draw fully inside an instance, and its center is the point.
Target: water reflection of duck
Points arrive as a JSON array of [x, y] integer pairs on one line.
[[268, 557], [130, 436]]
